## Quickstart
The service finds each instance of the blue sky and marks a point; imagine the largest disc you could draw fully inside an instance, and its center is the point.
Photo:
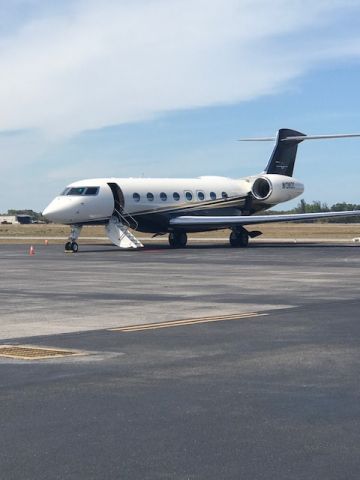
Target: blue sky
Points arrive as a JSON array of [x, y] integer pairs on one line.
[[165, 87]]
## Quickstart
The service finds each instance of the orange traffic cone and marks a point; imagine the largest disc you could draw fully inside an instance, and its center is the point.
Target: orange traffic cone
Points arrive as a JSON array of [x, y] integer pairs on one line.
[[31, 250]]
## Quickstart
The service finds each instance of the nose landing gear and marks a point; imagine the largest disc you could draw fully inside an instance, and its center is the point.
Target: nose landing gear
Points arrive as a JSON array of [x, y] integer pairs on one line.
[[71, 245]]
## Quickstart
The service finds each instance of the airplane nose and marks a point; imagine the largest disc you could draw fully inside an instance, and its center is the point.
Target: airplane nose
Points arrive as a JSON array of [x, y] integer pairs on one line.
[[47, 212], [60, 210], [51, 212]]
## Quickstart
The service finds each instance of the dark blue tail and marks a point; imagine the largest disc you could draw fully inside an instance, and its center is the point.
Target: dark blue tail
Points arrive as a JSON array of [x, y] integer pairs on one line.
[[283, 157]]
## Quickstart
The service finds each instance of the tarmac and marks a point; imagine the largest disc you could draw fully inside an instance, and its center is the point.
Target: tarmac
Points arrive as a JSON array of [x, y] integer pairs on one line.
[[201, 363]]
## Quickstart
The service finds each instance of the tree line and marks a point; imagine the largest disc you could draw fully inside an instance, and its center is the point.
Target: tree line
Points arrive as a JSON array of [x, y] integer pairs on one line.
[[316, 207]]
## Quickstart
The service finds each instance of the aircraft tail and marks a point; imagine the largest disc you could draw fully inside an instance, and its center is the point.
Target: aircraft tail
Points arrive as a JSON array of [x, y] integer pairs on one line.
[[283, 157]]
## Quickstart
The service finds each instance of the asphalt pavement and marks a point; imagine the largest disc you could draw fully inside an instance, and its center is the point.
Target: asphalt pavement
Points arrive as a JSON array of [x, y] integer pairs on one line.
[[269, 392]]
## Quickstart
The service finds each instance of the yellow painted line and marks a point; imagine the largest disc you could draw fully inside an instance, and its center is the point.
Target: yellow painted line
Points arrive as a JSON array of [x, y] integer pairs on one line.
[[181, 322], [191, 321]]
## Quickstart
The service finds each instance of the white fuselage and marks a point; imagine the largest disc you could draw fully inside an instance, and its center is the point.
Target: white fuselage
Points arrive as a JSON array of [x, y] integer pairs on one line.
[[94, 200]]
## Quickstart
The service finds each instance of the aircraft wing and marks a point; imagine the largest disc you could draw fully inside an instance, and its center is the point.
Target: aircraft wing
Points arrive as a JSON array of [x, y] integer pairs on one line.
[[230, 221]]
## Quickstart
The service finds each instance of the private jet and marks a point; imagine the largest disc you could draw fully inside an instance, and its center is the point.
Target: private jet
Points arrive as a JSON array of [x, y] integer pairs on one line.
[[177, 206]]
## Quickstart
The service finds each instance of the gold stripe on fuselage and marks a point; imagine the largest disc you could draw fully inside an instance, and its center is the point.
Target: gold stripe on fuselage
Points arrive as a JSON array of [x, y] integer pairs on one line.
[[210, 204]]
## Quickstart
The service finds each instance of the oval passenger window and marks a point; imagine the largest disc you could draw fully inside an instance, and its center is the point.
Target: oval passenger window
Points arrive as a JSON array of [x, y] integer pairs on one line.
[[150, 197], [136, 197]]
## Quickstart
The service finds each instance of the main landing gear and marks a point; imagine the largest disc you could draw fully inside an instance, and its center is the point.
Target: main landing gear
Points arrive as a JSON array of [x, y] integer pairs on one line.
[[239, 238], [71, 245], [177, 239]]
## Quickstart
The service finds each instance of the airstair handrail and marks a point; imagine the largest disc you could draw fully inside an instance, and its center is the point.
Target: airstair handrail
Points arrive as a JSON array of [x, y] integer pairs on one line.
[[122, 215]]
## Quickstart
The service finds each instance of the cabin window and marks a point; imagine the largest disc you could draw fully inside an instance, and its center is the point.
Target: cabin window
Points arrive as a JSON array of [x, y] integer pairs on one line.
[[201, 195], [188, 196], [76, 191], [213, 195], [92, 191], [176, 196], [224, 195], [64, 192], [163, 196], [150, 197], [136, 197]]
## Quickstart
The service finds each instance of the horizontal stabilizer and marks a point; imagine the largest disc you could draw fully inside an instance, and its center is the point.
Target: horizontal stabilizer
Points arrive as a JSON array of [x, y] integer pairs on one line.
[[300, 138]]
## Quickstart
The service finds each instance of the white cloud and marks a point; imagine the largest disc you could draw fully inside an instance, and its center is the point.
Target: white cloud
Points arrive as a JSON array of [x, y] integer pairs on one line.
[[101, 63]]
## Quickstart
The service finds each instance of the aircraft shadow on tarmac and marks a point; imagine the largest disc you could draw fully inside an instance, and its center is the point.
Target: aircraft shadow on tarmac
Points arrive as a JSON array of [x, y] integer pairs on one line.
[[106, 248]]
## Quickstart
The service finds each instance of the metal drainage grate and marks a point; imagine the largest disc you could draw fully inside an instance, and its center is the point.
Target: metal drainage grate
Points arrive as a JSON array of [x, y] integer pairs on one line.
[[25, 352]]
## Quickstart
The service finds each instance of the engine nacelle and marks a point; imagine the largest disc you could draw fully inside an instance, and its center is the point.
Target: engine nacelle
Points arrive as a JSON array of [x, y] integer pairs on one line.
[[272, 189]]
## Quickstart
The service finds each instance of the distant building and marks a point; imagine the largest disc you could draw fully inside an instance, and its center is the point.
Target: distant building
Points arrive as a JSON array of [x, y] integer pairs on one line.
[[7, 219], [10, 219], [24, 219]]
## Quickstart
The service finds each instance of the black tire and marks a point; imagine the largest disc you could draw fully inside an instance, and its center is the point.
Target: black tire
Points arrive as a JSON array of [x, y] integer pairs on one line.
[[239, 239], [74, 247], [68, 246], [182, 239], [177, 239], [234, 240], [172, 240]]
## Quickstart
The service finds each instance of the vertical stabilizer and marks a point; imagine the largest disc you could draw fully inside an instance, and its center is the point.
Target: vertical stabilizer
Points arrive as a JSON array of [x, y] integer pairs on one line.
[[283, 157]]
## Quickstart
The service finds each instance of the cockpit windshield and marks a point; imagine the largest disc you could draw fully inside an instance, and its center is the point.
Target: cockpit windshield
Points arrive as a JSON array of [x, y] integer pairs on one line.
[[80, 191], [92, 190], [76, 191]]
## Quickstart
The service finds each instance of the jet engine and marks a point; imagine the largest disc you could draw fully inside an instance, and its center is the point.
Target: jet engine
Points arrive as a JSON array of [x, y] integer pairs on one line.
[[273, 188]]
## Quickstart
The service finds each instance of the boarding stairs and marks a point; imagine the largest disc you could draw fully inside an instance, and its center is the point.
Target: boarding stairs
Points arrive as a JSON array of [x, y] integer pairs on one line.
[[118, 231]]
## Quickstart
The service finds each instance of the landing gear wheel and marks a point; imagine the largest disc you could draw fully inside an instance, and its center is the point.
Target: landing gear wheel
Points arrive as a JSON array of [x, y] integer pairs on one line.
[[239, 239], [177, 239], [74, 247], [71, 247], [68, 246]]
